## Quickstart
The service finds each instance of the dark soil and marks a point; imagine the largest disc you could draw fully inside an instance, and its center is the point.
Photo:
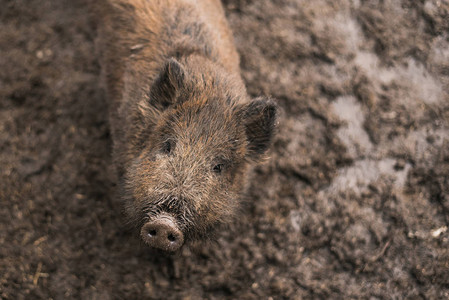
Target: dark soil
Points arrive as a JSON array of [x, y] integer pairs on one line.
[[354, 202]]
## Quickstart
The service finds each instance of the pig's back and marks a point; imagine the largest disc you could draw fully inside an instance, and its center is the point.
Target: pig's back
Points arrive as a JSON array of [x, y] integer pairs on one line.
[[139, 35]]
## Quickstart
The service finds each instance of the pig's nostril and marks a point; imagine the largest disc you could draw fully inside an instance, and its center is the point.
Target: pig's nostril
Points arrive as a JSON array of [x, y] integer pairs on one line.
[[171, 237], [152, 232]]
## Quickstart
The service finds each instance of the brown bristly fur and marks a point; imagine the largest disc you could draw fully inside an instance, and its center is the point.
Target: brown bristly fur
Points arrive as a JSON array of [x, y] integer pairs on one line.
[[185, 131]]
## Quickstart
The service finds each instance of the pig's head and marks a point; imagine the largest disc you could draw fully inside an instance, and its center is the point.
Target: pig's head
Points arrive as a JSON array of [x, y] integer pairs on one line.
[[194, 140]]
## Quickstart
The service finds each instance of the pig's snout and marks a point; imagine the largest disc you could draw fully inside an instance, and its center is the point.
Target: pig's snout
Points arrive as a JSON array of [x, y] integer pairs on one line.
[[162, 233]]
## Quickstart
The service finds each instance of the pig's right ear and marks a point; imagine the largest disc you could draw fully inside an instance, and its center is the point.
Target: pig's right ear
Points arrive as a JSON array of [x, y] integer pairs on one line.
[[165, 88], [259, 118]]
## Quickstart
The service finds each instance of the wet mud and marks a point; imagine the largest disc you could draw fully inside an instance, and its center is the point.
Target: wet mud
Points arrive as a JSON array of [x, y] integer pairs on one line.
[[354, 202]]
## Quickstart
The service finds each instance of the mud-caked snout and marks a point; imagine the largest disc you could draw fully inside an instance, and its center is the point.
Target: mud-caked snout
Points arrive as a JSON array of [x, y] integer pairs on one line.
[[162, 233]]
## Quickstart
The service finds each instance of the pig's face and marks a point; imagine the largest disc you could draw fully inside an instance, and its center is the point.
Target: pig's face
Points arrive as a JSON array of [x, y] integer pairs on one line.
[[195, 154]]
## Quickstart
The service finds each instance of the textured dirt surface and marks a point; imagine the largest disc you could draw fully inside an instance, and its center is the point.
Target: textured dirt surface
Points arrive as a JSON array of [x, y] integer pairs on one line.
[[353, 204]]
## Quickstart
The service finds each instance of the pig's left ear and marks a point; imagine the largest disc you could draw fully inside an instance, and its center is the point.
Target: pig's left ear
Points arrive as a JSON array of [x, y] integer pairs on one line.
[[259, 118], [164, 89]]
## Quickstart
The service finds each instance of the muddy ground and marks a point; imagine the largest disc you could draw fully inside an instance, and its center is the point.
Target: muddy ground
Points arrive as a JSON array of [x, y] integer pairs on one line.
[[354, 202]]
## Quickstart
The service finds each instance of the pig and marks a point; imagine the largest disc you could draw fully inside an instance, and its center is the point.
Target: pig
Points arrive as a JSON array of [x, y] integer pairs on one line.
[[185, 133]]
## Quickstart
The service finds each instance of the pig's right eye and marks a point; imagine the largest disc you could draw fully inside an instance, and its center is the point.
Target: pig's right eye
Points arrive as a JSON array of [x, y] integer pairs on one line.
[[167, 147], [218, 168]]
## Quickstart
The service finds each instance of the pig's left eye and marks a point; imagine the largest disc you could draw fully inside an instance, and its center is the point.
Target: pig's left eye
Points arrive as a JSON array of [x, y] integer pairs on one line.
[[167, 147], [218, 168]]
